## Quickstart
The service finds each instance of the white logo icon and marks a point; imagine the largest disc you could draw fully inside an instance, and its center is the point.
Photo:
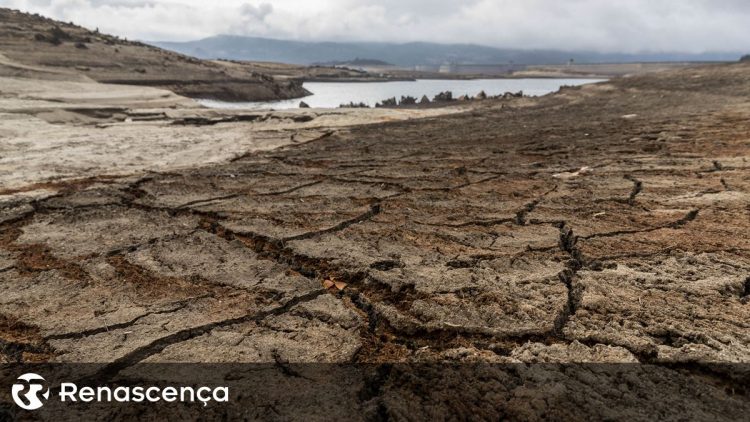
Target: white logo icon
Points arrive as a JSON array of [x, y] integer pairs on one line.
[[26, 393]]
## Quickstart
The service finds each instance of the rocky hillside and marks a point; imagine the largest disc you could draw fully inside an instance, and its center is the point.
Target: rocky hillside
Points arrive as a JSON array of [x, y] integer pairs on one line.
[[32, 45]]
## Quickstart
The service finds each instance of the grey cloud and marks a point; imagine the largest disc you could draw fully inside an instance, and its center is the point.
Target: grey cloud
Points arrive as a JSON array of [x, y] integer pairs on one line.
[[123, 3], [627, 26], [257, 12]]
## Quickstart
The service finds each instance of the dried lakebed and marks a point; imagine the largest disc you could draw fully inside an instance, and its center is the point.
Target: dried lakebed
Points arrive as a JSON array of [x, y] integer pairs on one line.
[[602, 224]]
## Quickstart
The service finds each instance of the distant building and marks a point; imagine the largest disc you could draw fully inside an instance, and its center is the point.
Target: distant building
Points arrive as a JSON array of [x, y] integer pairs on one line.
[[426, 68], [448, 68]]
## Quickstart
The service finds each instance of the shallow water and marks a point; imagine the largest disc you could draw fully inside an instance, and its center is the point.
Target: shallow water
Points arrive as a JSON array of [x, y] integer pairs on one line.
[[333, 94]]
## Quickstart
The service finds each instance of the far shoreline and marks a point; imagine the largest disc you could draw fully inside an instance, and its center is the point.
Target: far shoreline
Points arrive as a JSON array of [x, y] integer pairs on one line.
[[448, 77]]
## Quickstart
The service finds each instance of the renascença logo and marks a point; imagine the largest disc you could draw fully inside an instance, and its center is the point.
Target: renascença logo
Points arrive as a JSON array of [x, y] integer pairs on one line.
[[26, 394]]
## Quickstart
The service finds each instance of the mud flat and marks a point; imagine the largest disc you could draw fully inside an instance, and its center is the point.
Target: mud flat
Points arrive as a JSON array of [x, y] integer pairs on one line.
[[601, 227], [60, 130]]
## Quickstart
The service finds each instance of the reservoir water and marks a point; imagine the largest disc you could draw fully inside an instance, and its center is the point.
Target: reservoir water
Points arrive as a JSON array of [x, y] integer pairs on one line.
[[333, 94]]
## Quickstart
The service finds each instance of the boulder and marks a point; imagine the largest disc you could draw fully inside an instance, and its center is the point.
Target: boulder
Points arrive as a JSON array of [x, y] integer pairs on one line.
[[443, 96], [388, 102], [303, 104], [408, 100], [354, 105]]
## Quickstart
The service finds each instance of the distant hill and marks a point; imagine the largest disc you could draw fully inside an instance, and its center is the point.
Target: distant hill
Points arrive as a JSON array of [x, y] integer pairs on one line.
[[407, 54], [35, 46]]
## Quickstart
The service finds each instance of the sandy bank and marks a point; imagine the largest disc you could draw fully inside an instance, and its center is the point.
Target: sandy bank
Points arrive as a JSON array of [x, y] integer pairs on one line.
[[56, 130]]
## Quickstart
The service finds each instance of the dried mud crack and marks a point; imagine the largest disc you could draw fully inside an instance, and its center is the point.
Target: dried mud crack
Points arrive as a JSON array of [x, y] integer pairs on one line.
[[600, 225], [568, 242], [154, 347]]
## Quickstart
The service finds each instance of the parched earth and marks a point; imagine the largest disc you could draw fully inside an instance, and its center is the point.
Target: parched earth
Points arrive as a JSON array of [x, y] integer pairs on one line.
[[605, 224]]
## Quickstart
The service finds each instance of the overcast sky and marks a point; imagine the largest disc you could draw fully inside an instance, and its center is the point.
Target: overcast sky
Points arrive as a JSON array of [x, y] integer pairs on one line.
[[602, 25]]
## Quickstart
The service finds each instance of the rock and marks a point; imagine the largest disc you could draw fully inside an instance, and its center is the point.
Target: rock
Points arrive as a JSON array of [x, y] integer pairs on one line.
[[443, 96], [424, 100], [481, 96], [388, 102], [518, 94], [303, 104], [408, 100], [354, 105], [464, 98]]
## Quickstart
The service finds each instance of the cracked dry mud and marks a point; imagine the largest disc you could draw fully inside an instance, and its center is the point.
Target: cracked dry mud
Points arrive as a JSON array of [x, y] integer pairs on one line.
[[604, 224]]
